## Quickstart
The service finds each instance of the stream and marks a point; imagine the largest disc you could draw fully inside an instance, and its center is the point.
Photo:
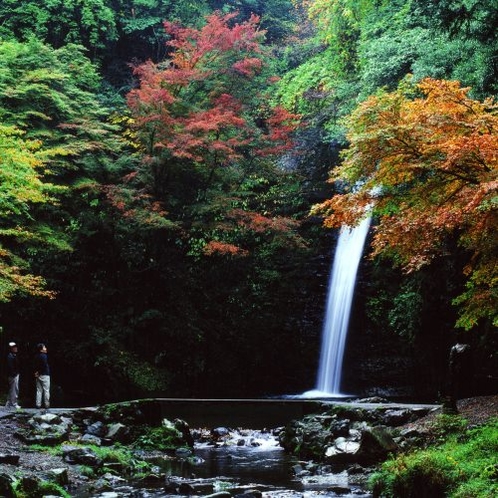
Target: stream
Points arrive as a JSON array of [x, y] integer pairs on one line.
[[246, 462]]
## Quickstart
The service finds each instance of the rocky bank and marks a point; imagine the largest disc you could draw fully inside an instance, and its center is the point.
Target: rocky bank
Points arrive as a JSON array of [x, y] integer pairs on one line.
[[356, 437]]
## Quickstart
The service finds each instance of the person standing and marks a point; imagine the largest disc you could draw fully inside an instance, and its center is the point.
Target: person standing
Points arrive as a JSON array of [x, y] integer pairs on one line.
[[42, 376], [12, 377]]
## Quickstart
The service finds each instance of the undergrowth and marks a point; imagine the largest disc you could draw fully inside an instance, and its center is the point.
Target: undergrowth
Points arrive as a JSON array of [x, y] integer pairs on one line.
[[25, 489], [461, 464], [164, 438]]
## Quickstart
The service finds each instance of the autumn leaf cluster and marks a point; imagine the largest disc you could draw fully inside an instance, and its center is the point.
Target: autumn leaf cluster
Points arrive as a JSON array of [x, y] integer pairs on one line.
[[424, 159]]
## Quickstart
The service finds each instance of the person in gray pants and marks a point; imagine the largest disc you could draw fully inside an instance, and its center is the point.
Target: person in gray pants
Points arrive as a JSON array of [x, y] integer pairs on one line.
[[12, 377]]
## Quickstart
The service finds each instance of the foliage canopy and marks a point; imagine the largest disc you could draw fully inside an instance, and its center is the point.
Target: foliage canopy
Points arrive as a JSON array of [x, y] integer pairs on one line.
[[426, 159], [203, 113], [21, 187]]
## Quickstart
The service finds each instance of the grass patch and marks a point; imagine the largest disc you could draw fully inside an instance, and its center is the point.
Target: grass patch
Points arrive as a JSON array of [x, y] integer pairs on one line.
[[87, 471], [465, 465], [127, 461], [41, 448], [32, 489], [164, 438], [114, 459], [53, 489]]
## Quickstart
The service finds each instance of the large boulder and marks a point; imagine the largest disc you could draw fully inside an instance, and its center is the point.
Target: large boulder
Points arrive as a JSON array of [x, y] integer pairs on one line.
[[81, 456], [59, 476], [376, 444], [117, 432], [347, 434]]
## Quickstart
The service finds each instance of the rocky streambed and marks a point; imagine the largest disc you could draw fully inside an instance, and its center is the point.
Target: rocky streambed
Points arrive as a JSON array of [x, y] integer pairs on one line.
[[116, 450]]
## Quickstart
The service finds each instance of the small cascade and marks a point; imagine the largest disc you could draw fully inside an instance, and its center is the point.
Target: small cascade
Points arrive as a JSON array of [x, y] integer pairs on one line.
[[342, 281]]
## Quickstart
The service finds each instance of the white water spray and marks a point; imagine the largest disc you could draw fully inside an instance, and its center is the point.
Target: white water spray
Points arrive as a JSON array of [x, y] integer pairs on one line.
[[342, 281]]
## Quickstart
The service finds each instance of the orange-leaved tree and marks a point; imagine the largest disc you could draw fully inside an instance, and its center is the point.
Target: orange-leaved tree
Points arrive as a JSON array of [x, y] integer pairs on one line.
[[425, 159]]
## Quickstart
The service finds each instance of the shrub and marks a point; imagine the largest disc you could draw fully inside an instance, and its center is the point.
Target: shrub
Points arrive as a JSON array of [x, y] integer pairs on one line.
[[460, 467], [445, 425], [164, 438]]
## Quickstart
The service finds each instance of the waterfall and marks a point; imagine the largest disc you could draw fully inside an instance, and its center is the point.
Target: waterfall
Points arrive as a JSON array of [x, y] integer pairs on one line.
[[342, 280]]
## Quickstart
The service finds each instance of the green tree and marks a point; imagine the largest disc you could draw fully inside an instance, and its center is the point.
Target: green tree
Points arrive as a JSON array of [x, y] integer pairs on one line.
[[42, 88], [423, 39], [472, 19], [21, 187], [278, 17], [50, 99], [91, 23], [202, 233]]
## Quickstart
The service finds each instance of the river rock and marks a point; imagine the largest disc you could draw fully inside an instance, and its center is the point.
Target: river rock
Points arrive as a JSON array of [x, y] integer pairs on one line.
[[376, 444], [98, 429], [112, 479], [83, 456], [7, 484], [183, 452], [50, 421], [9, 459], [348, 433], [47, 418], [151, 479], [90, 439], [250, 493], [29, 485], [299, 471], [46, 428], [340, 427], [347, 445], [220, 432], [184, 429], [44, 438], [186, 489], [340, 490], [117, 432], [59, 476], [343, 450]]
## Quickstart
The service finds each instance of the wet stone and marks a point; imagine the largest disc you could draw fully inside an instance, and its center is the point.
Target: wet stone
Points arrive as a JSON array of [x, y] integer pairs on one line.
[[9, 459]]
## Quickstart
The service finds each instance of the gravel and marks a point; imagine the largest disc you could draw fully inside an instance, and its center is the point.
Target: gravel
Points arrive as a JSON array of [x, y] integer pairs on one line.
[[476, 411], [31, 462]]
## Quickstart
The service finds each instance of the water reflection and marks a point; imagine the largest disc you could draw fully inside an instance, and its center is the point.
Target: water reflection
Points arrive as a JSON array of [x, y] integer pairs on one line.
[[246, 464]]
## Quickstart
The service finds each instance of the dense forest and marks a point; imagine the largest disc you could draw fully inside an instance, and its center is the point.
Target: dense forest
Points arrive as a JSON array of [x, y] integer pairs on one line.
[[173, 175]]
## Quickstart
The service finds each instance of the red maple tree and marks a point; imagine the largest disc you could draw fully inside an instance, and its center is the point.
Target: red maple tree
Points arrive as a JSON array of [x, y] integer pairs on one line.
[[206, 103], [205, 122]]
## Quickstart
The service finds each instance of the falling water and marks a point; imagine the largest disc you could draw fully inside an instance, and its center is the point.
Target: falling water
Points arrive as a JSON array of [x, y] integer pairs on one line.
[[340, 297]]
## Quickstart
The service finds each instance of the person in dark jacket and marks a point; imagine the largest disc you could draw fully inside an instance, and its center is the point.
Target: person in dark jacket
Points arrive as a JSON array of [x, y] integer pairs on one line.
[[12, 377], [42, 376]]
